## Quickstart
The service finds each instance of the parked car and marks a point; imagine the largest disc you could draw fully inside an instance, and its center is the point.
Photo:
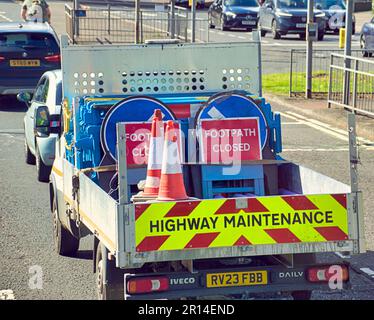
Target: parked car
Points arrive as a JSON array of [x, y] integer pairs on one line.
[[186, 3], [281, 17], [367, 38], [229, 14], [42, 122], [27, 50], [334, 14]]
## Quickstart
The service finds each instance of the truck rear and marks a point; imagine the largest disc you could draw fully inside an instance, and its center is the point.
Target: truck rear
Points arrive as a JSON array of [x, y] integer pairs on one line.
[[253, 221]]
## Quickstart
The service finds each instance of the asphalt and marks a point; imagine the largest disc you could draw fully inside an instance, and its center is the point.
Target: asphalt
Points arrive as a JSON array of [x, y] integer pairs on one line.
[[26, 224]]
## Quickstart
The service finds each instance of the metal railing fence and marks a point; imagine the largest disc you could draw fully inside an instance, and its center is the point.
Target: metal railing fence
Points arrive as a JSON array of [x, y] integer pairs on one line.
[[113, 25], [358, 79], [320, 75]]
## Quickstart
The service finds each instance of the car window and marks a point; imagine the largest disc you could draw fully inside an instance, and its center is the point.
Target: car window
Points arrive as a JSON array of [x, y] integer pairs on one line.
[[327, 4], [292, 4], [242, 3], [40, 94], [24, 39], [59, 94]]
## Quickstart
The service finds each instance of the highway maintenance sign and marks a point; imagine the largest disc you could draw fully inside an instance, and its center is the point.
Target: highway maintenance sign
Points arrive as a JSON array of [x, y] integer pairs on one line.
[[226, 141], [242, 221]]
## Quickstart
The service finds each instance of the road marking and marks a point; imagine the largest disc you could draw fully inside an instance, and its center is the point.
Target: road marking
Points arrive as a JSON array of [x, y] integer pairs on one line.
[[7, 295], [241, 37], [368, 271], [232, 35], [14, 131], [221, 33], [290, 123], [5, 18], [329, 127], [341, 255], [314, 149]]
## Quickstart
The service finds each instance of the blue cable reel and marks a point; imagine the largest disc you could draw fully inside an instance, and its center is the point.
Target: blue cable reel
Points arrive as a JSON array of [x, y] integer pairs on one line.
[[132, 109]]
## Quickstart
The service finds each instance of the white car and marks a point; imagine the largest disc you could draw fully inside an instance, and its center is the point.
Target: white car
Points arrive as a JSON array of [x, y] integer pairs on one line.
[[42, 122]]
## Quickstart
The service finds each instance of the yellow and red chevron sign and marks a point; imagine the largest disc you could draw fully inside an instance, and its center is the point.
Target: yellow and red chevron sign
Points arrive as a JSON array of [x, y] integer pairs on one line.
[[219, 223]]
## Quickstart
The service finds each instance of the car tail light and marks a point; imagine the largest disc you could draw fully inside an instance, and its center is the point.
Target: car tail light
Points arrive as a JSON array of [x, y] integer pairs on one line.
[[148, 284], [325, 273], [54, 124], [54, 58], [2, 59]]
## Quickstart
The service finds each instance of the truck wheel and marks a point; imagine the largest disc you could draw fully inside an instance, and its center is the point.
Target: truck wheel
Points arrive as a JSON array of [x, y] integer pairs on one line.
[[107, 290], [29, 157], [43, 171], [301, 295], [65, 243]]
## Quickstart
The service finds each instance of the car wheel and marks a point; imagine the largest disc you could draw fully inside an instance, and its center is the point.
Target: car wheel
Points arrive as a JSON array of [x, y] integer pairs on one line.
[[64, 242], [223, 28], [275, 33], [353, 29], [29, 157], [107, 290], [321, 36], [43, 171], [363, 46], [211, 25], [262, 31], [302, 36]]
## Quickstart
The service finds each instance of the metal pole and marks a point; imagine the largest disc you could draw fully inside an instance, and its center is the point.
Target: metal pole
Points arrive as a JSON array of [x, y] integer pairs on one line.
[[75, 19], [347, 49], [309, 52], [108, 18], [137, 20], [193, 22], [172, 27], [353, 151]]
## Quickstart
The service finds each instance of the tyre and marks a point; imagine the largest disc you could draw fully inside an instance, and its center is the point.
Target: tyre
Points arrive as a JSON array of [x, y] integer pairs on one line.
[[223, 28], [211, 25], [29, 157], [321, 36], [262, 32], [301, 295], [363, 46], [43, 171], [353, 29], [107, 290], [276, 35], [64, 242], [302, 36]]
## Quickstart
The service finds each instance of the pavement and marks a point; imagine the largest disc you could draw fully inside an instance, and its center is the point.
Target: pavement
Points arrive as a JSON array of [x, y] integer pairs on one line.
[[313, 136]]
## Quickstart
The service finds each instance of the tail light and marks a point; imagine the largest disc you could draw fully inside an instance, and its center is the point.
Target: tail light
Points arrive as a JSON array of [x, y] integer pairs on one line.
[[325, 273], [147, 284], [54, 58], [2, 59]]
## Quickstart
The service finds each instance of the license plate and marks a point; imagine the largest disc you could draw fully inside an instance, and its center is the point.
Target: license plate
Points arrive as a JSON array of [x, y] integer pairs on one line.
[[25, 63], [252, 23], [300, 25], [231, 279]]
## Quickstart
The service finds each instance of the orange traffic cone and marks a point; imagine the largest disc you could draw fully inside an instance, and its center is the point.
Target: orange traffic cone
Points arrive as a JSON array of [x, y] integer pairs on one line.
[[171, 184], [152, 182]]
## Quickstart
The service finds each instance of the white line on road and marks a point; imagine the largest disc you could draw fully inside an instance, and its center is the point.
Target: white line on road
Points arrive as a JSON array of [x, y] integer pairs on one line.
[[368, 271], [329, 127], [221, 33], [232, 35], [315, 149], [5, 18]]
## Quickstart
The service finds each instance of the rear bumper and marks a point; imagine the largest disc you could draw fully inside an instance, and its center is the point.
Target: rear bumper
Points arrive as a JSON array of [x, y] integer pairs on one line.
[[17, 85], [185, 284]]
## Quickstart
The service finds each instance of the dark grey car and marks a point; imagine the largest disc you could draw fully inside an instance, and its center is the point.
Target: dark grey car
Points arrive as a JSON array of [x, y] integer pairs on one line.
[[367, 39], [281, 17]]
